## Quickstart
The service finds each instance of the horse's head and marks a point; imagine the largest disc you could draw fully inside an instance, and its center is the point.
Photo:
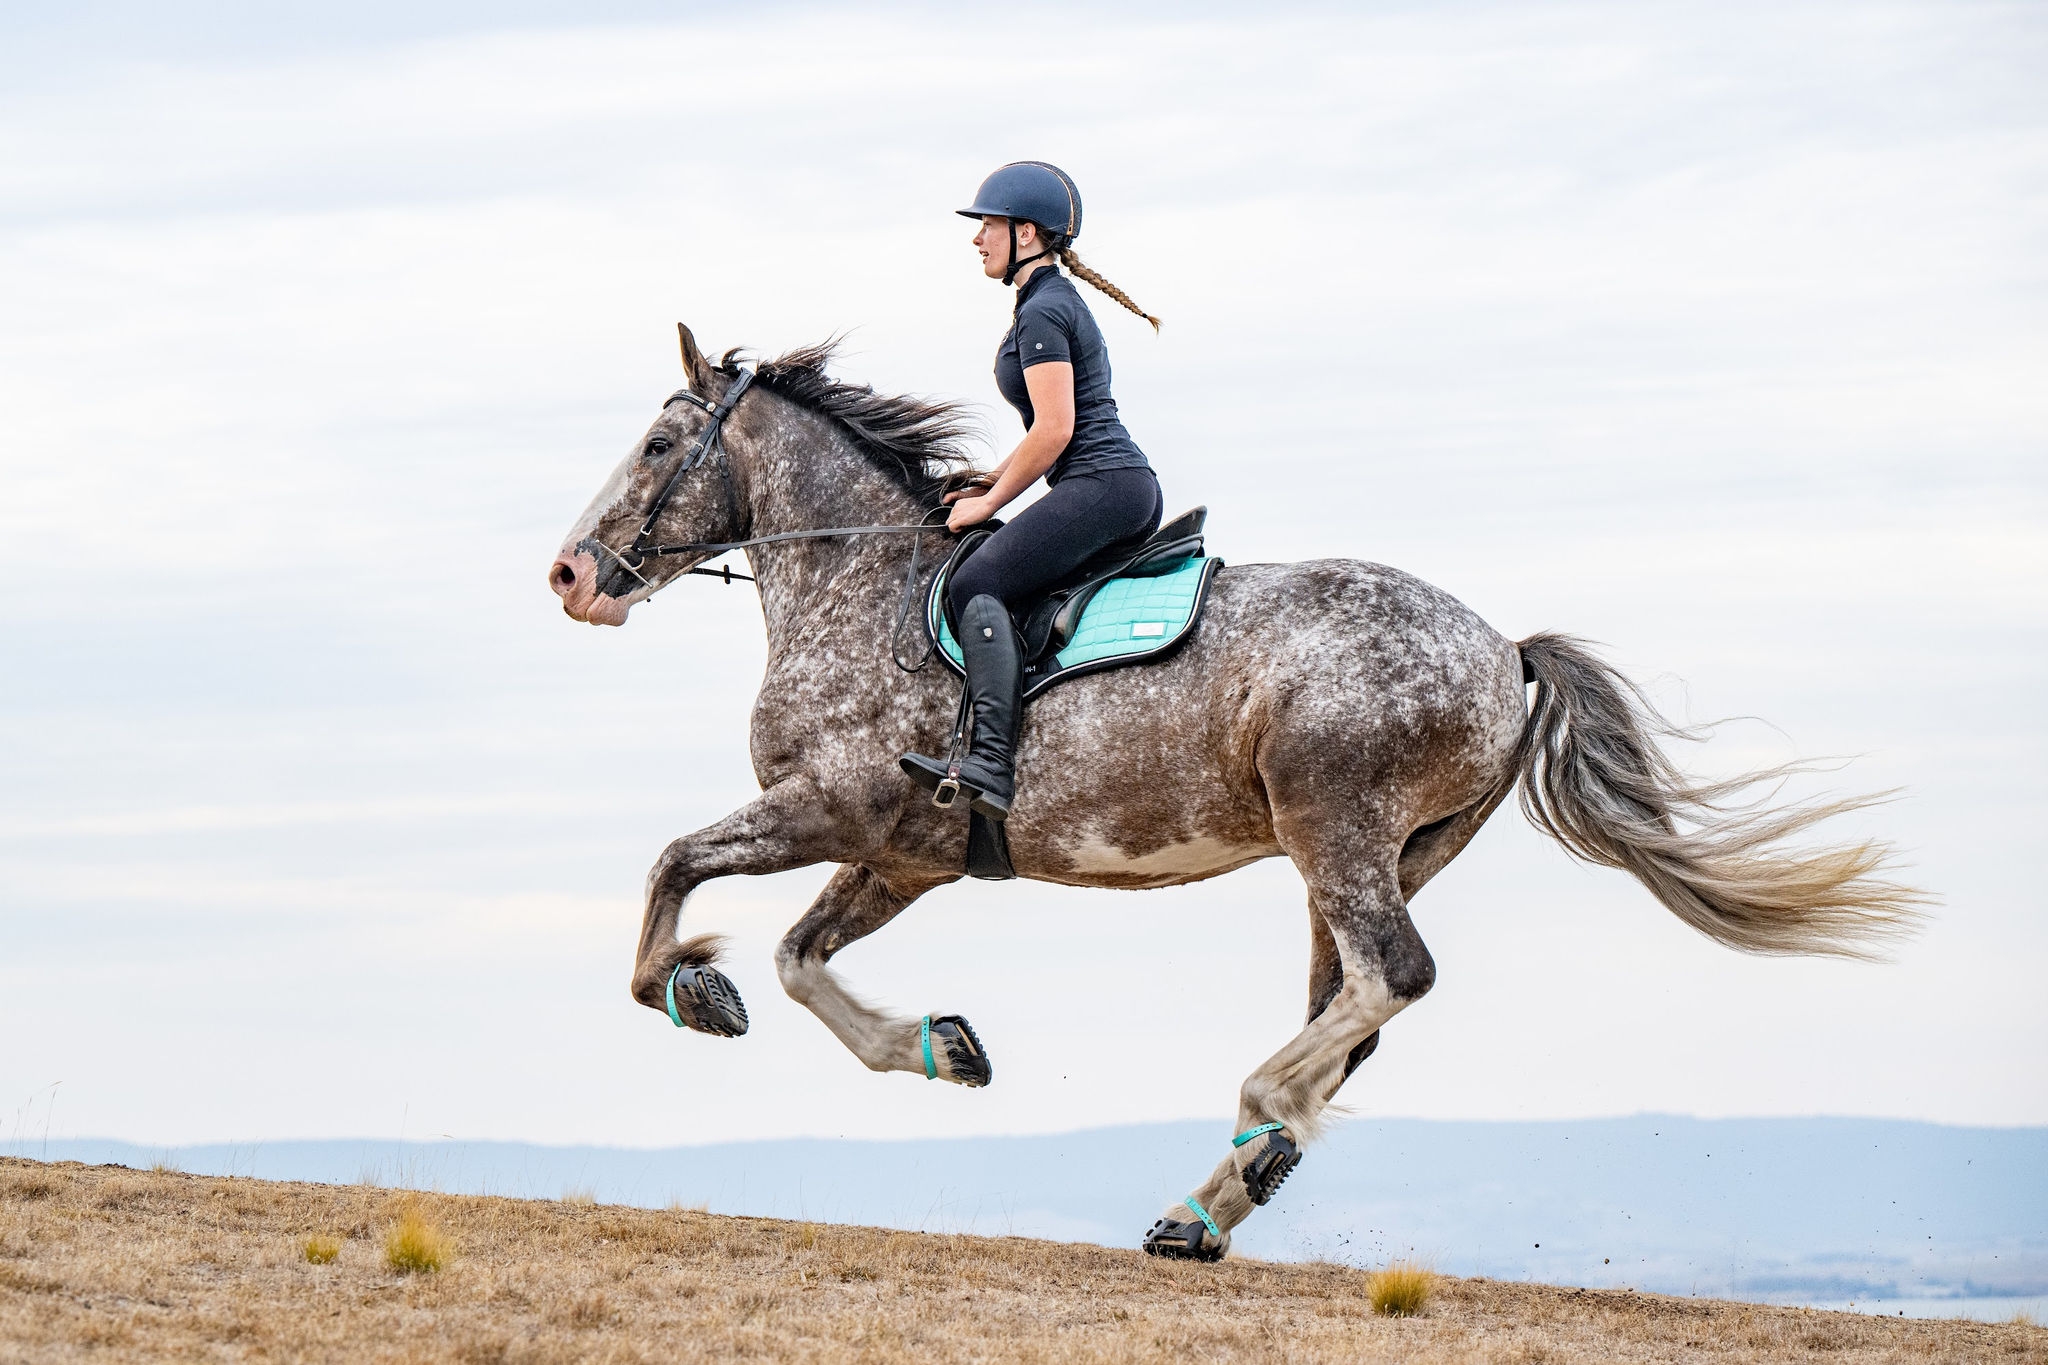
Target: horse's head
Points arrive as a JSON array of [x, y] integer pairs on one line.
[[673, 487]]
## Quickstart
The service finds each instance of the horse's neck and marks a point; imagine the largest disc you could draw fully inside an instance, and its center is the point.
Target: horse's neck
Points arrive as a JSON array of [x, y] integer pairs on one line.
[[837, 587]]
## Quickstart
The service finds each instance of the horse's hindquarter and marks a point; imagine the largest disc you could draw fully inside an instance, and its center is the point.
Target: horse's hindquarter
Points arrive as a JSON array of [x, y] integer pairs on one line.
[[1322, 685]]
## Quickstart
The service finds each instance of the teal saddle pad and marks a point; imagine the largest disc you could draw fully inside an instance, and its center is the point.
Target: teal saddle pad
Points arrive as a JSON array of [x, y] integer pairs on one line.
[[1127, 621]]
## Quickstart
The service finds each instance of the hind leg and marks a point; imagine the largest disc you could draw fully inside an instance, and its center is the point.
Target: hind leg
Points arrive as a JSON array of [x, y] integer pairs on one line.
[[1381, 967], [854, 904], [1325, 975]]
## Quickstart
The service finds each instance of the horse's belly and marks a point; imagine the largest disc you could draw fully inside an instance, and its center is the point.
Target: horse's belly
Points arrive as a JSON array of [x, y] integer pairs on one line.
[[1094, 861]]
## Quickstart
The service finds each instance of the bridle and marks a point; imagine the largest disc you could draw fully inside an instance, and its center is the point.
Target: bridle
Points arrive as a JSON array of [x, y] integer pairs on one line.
[[710, 440], [710, 444]]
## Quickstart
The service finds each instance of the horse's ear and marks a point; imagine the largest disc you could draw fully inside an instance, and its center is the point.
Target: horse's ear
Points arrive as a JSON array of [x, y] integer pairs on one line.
[[697, 370]]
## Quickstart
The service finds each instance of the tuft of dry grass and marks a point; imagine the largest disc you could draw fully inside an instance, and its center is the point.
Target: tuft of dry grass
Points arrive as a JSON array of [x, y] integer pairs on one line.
[[580, 1195], [1400, 1289], [415, 1246], [321, 1250], [98, 1263]]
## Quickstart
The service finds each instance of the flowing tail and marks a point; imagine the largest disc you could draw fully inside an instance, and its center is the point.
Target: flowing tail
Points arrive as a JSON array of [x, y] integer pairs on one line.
[[1594, 777]]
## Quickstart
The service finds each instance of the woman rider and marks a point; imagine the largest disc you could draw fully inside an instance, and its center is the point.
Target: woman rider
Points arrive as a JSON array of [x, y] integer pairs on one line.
[[1053, 368]]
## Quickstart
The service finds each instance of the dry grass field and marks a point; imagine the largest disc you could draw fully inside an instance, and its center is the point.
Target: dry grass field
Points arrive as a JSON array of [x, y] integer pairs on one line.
[[104, 1263]]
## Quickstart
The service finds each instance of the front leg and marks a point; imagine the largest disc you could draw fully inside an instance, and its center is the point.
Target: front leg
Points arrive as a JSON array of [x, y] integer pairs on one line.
[[781, 829], [854, 904]]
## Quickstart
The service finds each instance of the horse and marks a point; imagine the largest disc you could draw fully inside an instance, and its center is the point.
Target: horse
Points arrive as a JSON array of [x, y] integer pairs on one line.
[[1338, 713]]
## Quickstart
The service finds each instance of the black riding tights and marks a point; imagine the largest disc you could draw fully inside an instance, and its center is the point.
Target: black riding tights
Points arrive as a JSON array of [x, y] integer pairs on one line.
[[1079, 515]]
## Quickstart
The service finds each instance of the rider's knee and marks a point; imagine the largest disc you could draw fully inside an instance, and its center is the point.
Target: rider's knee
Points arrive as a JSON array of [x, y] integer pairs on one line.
[[966, 586]]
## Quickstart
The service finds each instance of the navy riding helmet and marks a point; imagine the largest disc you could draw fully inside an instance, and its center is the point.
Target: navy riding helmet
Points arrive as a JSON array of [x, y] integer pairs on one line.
[[1033, 192]]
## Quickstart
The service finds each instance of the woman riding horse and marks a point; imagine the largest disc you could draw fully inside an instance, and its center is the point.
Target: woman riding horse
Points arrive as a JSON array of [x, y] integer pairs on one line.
[[1053, 368]]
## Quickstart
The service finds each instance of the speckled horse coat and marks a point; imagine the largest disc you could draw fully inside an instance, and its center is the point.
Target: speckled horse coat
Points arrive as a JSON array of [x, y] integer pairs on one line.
[[1341, 714]]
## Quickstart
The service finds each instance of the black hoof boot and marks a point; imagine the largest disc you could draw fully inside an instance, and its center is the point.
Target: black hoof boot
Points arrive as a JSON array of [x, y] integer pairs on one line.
[[965, 1055], [1178, 1241], [1264, 1173], [704, 999]]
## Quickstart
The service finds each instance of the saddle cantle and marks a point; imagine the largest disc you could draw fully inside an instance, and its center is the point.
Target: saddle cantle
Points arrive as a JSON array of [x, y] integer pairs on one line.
[[1130, 602]]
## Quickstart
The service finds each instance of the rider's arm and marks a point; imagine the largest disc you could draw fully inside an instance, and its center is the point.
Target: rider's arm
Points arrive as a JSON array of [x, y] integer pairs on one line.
[[1051, 385]]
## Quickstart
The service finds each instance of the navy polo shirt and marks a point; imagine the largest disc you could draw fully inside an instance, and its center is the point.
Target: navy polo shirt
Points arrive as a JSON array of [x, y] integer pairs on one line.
[[1052, 322]]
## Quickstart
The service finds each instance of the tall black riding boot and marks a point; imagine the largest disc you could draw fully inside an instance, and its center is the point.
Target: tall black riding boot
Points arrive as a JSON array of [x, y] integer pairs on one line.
[[987, 775]]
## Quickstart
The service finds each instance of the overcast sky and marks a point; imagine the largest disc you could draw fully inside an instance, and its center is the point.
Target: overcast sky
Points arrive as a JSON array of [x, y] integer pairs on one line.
[[1715, 333]]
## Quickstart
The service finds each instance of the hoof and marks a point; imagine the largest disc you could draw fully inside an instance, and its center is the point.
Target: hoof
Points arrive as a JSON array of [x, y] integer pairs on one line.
[[704, 999], [965, 1057], [1178, 1241], [1264, 1173]]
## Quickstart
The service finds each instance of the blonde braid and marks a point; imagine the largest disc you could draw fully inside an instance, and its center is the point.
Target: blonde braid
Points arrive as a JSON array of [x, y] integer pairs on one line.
[[1074, 266]]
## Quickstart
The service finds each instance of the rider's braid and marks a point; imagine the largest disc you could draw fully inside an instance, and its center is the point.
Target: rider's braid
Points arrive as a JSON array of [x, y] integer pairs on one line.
[[1074, 266]]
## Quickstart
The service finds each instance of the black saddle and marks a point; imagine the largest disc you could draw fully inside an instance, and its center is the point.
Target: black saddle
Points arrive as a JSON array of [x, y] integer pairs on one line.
[[1047, 625]]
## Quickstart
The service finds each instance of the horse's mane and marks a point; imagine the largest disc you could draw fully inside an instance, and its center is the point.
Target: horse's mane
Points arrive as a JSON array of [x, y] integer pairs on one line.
[[918, 443]]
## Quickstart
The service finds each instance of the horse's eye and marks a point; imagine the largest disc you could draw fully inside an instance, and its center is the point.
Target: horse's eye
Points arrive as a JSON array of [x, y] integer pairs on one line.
[[658, 446]]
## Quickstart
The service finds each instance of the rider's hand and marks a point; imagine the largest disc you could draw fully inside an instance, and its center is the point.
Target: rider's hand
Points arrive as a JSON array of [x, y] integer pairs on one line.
[[974, 487], [971, 509]]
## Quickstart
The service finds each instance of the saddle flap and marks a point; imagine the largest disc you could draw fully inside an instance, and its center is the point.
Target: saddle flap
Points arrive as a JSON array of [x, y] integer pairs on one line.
[[1113, 560], [1047, 625], [1158, 556]]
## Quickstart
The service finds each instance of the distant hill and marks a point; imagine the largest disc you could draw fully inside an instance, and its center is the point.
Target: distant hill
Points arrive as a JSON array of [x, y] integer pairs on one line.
[[1786, 1210]]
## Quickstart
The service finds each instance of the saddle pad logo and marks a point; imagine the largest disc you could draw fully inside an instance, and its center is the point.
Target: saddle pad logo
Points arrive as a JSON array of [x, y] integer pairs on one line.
[[1141, 628]]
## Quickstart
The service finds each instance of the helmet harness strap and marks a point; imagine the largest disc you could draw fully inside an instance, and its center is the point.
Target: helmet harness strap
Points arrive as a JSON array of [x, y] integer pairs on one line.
[[1010, 274]]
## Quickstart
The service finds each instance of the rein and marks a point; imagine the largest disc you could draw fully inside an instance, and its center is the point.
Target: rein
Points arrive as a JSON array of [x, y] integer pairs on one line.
[[712, 442]]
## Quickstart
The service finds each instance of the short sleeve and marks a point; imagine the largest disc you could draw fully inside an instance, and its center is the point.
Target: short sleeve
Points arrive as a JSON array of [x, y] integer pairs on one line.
[[1043, 335]]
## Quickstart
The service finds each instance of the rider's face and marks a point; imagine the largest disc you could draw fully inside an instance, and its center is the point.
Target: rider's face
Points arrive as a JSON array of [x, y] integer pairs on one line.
[[993, 242]]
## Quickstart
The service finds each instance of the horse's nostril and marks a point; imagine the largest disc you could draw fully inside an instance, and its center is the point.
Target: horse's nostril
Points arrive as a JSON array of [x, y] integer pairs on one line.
[[563, 577]]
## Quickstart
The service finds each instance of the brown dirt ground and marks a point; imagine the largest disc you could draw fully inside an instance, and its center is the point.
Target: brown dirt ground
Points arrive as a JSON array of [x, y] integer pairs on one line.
[[105, 1263]]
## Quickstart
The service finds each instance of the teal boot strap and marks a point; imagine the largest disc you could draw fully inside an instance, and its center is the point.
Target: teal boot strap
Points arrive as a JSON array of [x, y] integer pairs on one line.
[[1203, 1214], [1242, 1138], [672, 996], [924, 1030]]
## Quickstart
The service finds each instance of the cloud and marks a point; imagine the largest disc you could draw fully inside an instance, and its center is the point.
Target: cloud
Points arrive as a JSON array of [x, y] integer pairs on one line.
[[1710, 333]]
